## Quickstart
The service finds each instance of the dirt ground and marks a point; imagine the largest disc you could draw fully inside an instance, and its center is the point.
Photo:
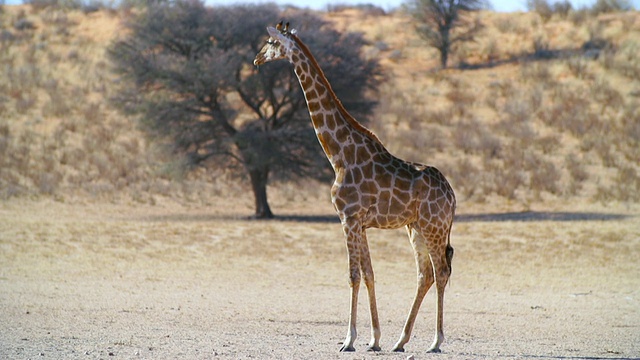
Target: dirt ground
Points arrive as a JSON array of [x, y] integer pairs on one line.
[[101, 281]]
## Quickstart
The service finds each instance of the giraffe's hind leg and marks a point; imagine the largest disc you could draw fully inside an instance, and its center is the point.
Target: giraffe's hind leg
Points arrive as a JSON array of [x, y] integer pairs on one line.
[[425, 280], [441, 255]]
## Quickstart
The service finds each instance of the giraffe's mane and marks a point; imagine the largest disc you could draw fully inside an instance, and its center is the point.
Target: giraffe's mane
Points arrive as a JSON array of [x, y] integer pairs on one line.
[[350, 119]]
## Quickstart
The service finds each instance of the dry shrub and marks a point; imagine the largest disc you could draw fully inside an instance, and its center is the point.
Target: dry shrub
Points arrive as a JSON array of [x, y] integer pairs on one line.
[[516, 122], [465, 178], [542, 8], [541, 47], [420, 142], [579, 68], [625, 187], [607, 96], [628, 183], [27, 163], [571, 111], [630, 129], [537, 73], [549, 143], [72, 156], [544, 175], [516, 110], [507, 25], [505, 87], [461, 98], [91, 112], [535, 98], [626, 60], [578, 173], [474, 137], [562, 8], [22, 78], [56, 106], [576, 168], [25, 101], [492, 101], [604, 147], [507, 181], [441, 117], [579, 16], [609, 6], [607, 58], [525, 168]]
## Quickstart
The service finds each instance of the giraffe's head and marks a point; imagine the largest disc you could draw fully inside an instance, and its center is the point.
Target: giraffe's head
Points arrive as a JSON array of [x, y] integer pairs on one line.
[[278, 46]]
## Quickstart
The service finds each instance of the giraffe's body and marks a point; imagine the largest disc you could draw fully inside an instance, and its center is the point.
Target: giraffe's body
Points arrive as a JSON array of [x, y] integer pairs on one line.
[[373, 189]]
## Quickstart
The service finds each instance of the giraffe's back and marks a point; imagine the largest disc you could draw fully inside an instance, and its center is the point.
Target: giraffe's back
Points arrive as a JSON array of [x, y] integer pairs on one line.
[[402, 193], [437, 202]]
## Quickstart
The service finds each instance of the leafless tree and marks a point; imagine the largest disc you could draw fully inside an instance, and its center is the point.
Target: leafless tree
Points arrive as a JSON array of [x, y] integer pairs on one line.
[[437, 20], [187, 70]]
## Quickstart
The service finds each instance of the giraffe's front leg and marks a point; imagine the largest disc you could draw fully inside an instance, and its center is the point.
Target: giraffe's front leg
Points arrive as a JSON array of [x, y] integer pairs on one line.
[[367, 272], [352, 232], [354, 284]]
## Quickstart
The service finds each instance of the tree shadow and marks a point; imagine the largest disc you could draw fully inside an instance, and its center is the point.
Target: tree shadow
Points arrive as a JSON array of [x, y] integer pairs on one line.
[[530, 216], [587, 51], [524, 216], [322, 219], [204, 217]]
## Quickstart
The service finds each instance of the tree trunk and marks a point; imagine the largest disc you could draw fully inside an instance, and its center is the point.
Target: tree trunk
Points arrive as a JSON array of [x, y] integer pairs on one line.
[[444, 56], [259, 179], [445, 46]]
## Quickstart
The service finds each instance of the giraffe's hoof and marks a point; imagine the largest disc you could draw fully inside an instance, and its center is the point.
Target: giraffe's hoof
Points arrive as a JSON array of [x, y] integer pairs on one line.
[[434, 351], [374, 348], [347, 348], [398, 349]]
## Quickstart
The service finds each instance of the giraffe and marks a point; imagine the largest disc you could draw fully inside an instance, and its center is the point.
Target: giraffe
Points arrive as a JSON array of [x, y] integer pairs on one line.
[[373, 189]]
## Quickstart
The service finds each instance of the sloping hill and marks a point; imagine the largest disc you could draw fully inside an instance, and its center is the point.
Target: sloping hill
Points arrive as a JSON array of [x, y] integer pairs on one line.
[[532, 111], [540, 110]]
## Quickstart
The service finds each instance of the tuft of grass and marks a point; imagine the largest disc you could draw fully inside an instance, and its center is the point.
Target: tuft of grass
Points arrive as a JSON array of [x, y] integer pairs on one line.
[[579, 68]]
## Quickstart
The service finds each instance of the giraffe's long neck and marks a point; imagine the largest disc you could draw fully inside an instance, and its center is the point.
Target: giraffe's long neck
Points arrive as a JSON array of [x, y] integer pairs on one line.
[[338, 132]]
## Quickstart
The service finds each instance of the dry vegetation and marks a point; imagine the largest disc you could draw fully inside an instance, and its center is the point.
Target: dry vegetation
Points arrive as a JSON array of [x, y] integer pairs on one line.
[[539, 108], [121, 256], [535, 109], [58, 135]]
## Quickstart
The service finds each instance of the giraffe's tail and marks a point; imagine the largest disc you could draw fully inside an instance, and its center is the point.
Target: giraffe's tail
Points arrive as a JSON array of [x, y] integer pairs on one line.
[[449, 255], [449, 251]]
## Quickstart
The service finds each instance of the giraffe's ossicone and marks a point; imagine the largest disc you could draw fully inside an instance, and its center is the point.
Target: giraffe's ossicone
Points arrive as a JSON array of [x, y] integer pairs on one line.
[[373, 188]]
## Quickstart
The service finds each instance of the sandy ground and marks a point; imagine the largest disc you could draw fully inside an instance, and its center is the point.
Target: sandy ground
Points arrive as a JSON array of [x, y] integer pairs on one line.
[[102, 281]]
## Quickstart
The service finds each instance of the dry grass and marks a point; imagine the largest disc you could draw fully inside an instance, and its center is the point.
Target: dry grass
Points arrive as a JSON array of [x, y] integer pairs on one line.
[[541, 109], [125, 255], [58, 136], [531, 119]]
